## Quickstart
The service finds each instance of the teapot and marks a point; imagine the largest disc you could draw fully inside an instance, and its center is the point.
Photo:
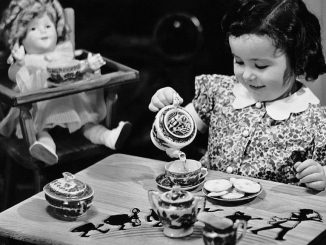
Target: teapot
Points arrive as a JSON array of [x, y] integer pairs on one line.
[[173, 127], [177, 210]]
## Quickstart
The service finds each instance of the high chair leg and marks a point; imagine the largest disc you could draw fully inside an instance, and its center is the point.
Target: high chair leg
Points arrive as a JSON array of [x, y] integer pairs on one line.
[[9, 184], [37, 181]]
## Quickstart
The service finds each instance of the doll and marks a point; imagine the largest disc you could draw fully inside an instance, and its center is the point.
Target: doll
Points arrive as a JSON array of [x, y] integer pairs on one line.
[[36, 33]]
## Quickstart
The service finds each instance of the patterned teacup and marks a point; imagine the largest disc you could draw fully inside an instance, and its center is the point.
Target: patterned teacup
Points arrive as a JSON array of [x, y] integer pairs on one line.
[[185, 172]]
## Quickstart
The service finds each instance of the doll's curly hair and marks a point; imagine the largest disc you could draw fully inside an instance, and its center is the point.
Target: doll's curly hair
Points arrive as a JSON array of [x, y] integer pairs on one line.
[[20, 13], [291, 26]]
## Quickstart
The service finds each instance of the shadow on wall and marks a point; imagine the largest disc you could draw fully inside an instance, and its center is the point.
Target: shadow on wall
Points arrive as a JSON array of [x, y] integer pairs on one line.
[[169, 42]]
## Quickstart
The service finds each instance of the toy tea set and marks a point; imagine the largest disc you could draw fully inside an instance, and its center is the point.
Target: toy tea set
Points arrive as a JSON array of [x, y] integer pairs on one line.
[[173, 129], [177, 208]]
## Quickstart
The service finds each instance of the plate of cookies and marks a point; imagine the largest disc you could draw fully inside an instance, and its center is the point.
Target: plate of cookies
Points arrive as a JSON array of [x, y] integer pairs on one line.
[[232, 190]]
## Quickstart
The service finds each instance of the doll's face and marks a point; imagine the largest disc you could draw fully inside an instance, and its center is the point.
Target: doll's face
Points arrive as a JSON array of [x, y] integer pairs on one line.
[[41, 36], [260, 67]]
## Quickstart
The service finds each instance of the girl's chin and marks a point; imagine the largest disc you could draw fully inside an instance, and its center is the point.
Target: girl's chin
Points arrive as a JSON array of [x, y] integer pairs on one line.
[[261, 98]]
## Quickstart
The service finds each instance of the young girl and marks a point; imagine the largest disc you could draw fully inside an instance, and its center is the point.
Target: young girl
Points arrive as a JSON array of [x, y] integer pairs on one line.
[[263, 122], [36, 33]]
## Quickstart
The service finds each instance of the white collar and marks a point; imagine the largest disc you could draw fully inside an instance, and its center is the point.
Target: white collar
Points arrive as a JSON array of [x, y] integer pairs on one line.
[[278, 109]]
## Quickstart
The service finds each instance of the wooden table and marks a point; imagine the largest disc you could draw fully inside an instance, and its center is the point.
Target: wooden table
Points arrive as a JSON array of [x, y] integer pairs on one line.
[[121, 183]]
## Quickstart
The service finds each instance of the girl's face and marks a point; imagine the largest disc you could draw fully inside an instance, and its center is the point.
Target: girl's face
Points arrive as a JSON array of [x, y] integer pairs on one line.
[[41, 36], [260, 67]]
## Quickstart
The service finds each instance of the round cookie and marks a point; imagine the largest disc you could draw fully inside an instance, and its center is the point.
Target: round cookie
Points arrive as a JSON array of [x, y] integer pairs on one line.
[[217, 185], [217, 194], [234, 194], [246, 185]]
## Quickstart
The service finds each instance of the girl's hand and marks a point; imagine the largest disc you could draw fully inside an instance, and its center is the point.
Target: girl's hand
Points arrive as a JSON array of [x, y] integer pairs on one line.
[[163, 97], [95, 61], [311, 173], [18, 53]]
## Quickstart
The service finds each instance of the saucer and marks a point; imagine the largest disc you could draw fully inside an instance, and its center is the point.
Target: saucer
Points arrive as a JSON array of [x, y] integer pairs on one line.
[[163, 182], [246, 197]]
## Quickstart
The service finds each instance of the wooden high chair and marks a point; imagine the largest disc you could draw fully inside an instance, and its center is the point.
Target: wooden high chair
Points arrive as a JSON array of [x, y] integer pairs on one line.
[[70, 149]]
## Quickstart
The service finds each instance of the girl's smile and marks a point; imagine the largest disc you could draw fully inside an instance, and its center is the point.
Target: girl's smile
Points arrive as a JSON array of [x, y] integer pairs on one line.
[[260, 67]]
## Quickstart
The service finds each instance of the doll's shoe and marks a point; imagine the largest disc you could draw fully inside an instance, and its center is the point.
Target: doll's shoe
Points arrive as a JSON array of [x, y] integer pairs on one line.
[[44, 153], [124, 134]]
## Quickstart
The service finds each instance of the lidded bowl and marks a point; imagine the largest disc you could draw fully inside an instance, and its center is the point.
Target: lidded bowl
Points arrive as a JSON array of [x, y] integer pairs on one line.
[[68, 196]]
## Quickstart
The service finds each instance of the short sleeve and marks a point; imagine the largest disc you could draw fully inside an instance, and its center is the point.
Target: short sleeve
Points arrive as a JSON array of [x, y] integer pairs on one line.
[[211, 91]]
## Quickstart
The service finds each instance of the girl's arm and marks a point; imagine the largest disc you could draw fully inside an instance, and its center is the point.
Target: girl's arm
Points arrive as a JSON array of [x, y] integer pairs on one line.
[[201, 126]]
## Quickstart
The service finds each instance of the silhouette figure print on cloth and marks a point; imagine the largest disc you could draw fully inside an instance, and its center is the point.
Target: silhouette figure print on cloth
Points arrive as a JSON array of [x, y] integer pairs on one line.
[[153, 217], [240, 215], [287, 224], [122, 219], [85, 228]]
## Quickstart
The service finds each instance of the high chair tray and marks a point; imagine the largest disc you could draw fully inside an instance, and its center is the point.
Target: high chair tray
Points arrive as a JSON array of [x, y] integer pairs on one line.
[[112, 74]]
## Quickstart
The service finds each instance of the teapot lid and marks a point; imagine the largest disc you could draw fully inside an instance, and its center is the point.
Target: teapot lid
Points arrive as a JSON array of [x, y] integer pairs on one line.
[[68, 186], [177, 195]]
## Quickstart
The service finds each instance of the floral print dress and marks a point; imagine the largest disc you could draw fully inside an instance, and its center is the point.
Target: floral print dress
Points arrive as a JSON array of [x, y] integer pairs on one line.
[[257, 139]]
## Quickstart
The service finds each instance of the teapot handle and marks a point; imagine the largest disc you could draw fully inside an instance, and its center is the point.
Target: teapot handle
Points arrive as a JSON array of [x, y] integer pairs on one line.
[[201, 201], [243, 225], [152, 195]]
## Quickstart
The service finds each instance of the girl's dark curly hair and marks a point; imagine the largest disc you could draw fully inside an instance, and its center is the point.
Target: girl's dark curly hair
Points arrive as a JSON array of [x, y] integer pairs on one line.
[[291, 26]]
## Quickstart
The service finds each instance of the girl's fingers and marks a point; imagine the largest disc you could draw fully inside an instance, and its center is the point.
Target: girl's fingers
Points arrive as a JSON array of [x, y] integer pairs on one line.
[[314, 177], [317, 185], [163, 97], [152, 108], [311, 169], [305, 164], [157, 103]]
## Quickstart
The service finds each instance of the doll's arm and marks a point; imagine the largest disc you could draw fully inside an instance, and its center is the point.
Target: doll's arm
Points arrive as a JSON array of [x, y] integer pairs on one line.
[[17, 54], [93, 63]]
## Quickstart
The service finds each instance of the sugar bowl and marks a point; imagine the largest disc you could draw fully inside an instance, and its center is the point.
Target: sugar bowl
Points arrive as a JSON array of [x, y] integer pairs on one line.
[[177, 210], [68, 197]]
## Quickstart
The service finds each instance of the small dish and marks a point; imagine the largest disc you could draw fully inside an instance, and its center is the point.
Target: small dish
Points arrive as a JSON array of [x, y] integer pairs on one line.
[[246, 197], [163, 181], [64, 70]]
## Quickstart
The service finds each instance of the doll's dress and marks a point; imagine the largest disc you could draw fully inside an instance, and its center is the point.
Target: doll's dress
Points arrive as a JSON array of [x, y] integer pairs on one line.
[[72, 111]]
